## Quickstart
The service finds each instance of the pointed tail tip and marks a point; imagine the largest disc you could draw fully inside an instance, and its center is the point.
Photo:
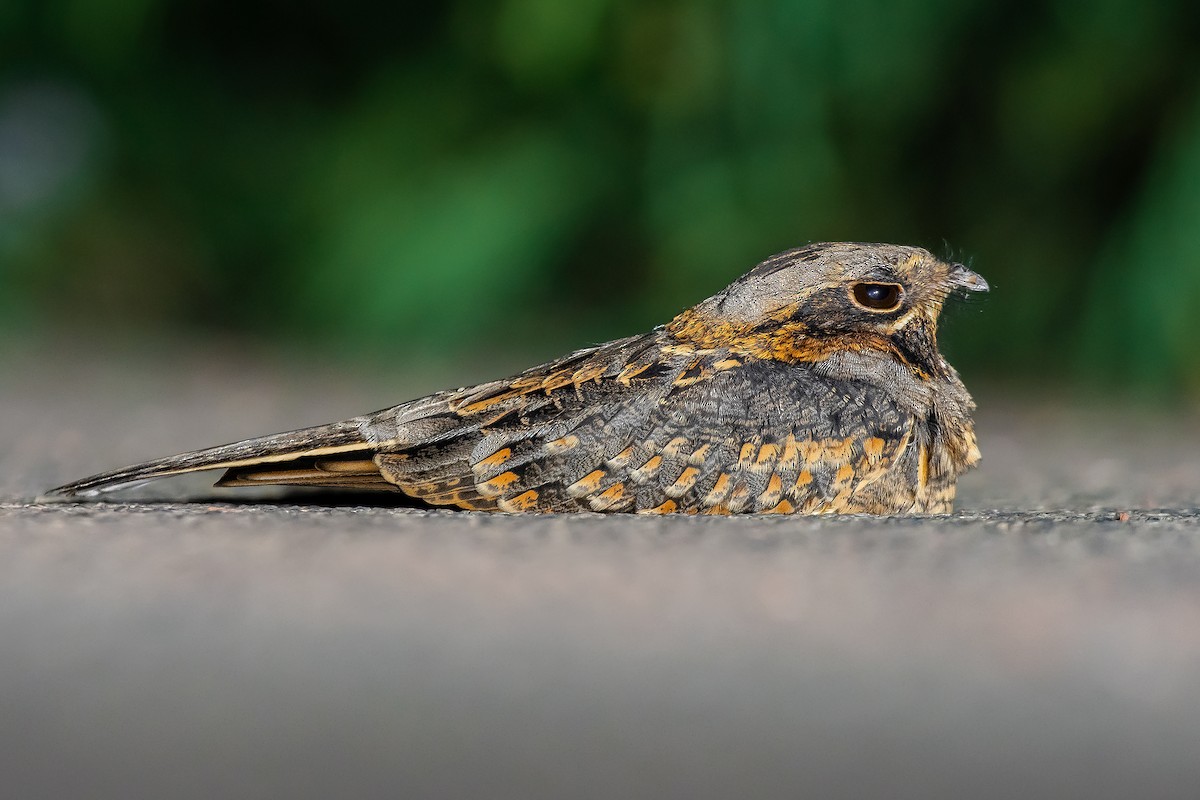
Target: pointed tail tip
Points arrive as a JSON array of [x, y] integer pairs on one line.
[[68, 491], [59, 494], [87, 489]]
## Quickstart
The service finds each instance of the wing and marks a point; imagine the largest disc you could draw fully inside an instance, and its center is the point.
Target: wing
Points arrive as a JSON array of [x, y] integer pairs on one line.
[[434, 447], [519, 444], [645, 425]]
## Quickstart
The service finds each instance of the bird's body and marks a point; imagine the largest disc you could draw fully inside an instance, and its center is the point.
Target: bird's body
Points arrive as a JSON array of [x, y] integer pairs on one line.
[[813, 384]]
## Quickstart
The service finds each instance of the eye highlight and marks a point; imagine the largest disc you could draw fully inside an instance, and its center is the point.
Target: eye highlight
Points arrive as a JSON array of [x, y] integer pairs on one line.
[[877, 296]]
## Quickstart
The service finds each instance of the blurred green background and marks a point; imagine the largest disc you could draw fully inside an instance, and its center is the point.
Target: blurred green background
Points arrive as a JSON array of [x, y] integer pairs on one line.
[[387, 180]]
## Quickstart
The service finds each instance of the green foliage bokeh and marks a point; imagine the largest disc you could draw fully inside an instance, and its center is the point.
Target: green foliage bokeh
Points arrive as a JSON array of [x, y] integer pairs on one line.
[[482, 174]]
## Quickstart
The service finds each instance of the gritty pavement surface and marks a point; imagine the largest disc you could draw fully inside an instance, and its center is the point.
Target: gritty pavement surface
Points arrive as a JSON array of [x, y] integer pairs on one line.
[[1042, 642]]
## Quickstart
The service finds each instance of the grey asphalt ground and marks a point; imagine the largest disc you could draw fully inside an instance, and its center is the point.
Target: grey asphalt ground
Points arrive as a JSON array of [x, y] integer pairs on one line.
[[1042, 642]]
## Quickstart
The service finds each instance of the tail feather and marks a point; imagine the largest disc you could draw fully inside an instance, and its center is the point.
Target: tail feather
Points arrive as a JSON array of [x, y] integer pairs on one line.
[[350, 471], [315, 449]]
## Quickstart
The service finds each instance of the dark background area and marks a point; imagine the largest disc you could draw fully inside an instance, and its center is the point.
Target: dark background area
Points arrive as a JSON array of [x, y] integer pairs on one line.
[[434, 181]]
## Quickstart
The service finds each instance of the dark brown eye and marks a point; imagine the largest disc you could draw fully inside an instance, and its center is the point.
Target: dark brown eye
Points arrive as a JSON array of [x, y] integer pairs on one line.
[[878, 296]]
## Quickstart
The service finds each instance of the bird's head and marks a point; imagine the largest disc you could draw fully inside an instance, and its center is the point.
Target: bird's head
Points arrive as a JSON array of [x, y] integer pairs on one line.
[[803, 303]]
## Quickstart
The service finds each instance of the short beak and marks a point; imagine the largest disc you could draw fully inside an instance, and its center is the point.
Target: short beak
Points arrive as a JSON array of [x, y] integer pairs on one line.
[[963, 278]]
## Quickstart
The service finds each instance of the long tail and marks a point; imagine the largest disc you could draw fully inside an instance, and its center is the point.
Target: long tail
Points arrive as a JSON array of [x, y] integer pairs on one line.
[[337, 454]]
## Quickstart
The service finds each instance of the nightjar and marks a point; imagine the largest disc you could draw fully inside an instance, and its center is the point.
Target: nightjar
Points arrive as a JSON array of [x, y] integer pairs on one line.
[[812, 384]]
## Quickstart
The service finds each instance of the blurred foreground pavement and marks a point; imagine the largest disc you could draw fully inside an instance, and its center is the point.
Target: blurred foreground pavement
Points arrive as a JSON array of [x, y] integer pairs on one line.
[[1043, 642]]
